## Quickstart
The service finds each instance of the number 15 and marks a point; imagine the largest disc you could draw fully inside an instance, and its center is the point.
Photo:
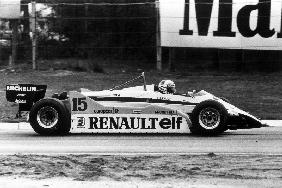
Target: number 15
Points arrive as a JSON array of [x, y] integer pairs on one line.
[[79, 104]]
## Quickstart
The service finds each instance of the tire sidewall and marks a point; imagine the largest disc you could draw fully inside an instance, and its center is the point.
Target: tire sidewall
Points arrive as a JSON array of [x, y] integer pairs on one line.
[[196, 127], [63, 124]]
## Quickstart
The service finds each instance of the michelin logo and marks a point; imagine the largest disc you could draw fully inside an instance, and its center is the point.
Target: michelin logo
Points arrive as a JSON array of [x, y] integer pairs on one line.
[[19, 88]]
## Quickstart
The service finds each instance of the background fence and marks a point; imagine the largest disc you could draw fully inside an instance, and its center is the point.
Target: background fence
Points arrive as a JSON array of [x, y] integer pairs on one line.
[[123, 29]]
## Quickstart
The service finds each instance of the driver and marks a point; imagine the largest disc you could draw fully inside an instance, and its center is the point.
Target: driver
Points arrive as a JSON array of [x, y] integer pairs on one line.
[[167, 87]]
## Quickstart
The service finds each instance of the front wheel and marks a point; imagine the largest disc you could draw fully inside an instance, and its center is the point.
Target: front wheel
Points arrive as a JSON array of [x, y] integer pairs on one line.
[[208, 118], [49, 117]]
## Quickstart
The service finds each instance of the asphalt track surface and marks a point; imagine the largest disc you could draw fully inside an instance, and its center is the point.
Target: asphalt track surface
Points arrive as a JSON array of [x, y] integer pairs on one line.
[[267, 140]]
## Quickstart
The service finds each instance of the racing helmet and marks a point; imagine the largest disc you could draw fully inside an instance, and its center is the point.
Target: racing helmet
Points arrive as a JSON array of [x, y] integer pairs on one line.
[[167, 87]]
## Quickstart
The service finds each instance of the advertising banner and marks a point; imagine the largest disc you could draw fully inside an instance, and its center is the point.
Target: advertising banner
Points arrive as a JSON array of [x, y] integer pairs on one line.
[[10, 9], [227, 24]]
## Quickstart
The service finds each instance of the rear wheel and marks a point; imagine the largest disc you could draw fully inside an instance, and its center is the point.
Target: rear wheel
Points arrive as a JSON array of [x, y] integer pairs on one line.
[[208, 118], [50, 117]]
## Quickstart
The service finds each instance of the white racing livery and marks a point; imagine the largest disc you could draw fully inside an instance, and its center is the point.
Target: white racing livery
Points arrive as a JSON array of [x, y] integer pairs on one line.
[[140, 109]]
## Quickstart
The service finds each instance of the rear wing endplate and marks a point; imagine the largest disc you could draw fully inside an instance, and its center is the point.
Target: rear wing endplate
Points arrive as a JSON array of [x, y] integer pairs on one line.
[[25, 94]]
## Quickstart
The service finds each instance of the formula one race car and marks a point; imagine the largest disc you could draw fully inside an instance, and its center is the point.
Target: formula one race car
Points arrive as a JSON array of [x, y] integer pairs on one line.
[[139, 109]]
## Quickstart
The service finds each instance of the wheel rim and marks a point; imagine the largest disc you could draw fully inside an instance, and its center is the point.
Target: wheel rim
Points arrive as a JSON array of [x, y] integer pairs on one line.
[[47, 117], [209, 118]]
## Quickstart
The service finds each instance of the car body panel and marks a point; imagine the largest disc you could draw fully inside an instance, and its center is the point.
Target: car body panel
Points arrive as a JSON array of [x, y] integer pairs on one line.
[[132, 105], [90, 116]]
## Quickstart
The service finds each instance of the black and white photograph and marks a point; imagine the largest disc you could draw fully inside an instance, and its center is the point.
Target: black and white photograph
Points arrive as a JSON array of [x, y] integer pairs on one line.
[[141, 93]]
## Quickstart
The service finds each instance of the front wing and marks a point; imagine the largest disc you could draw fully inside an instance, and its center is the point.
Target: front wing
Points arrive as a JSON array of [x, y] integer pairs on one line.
[[90, 116]]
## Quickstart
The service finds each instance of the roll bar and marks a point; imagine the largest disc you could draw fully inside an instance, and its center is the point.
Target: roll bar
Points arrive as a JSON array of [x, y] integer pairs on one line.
[[132, 80]]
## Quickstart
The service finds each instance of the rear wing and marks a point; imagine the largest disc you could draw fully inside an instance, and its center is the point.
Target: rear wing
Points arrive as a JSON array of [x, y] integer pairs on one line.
[[25, 94]]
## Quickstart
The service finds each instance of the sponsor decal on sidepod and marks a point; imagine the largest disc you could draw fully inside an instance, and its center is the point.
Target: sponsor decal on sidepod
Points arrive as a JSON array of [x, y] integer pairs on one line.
[[128, 122]]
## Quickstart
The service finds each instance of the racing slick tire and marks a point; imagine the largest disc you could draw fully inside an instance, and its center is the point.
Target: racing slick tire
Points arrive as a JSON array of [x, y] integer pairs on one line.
[[50, 117], [208, 119]]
